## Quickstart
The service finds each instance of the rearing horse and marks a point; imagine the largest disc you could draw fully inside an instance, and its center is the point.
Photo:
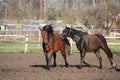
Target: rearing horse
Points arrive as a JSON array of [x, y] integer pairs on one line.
[[88, 42], [52, 42]]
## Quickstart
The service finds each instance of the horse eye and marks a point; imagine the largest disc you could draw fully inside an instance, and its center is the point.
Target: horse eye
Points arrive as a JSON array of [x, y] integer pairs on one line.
[[66, 30], [63, 30]]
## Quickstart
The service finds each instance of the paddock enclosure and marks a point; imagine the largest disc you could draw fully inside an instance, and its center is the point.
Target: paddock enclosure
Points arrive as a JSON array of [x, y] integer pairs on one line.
[[31, 38], [32, 67]]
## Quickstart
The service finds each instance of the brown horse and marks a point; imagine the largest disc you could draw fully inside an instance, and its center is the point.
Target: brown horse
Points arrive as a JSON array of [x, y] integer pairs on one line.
[[52, 42], [88, 42]]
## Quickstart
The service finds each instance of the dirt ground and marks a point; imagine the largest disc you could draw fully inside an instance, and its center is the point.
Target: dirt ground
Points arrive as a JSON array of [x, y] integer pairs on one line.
[[33, 67]]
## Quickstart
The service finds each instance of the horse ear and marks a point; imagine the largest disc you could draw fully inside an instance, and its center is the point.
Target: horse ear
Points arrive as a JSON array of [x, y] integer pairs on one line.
[[39, 28], [65, 27], [68, 26], [47, 27], [50, 24]]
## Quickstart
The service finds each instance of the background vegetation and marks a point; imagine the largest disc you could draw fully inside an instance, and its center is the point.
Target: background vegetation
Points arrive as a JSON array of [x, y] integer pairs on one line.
[[89, 12]]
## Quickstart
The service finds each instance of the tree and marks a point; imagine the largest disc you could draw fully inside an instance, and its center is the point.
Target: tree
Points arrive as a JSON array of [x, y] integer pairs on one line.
[[40, 10]]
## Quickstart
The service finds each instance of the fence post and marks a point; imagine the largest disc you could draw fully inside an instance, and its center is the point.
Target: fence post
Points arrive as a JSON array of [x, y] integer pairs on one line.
[[39, 39], [26, 43], [71, 45]]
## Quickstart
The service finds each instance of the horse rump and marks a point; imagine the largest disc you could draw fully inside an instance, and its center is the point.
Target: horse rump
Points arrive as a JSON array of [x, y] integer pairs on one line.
[[106, 48]]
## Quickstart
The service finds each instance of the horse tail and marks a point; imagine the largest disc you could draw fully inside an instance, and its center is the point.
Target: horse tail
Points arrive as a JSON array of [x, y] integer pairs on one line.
[[67, 46], [107, 50]]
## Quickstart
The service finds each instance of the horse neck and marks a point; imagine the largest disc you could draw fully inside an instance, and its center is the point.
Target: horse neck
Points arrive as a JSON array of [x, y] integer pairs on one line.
[[50, 36], [57, 35], [77, 35], [54, 36], [74, 35]]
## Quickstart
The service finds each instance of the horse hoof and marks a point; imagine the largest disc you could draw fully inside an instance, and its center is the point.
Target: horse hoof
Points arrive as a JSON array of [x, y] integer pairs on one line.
[[66, 65], [79, 67], [48, 68], [114, 66], [88, 65], [100, 68], [54, 65]]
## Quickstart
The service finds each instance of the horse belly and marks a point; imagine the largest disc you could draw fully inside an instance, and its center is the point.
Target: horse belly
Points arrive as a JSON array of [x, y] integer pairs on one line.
[[93, 47], [93, 44]]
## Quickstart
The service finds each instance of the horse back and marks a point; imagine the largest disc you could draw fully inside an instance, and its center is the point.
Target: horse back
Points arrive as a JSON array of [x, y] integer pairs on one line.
[[92, 38], [102, 38]]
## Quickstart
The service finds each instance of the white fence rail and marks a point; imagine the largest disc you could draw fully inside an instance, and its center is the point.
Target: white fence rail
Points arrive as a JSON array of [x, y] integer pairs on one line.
[[35, 34], [26, 41], [5, 37], [114, 37]]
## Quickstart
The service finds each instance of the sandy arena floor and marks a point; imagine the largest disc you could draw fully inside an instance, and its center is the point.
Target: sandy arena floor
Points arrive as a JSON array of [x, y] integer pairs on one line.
[[33, 67]]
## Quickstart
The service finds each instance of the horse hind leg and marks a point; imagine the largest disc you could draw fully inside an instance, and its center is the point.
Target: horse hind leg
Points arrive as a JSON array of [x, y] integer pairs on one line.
[[109, 54], [99, 58]]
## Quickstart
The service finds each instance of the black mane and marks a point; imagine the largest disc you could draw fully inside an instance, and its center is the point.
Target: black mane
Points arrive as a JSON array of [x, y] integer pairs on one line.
[[78, 32], [48, 28]]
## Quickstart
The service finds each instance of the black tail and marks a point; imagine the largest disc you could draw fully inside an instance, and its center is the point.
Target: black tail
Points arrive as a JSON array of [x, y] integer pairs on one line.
[[67, 46], [108, 51]]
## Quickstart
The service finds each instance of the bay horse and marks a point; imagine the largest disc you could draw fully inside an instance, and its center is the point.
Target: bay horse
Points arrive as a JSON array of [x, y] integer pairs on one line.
[[88, 42], [52, 42]]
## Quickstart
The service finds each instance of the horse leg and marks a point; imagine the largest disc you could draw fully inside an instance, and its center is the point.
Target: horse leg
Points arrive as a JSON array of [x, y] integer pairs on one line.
[[54, 55], [109, 55], [64, 56], [99, 58], [87, 64], [82, 55], [47, 60]]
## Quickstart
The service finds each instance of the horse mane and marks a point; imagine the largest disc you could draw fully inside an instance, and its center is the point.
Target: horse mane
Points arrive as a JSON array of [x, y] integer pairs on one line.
[[78, 32], [49, 29]]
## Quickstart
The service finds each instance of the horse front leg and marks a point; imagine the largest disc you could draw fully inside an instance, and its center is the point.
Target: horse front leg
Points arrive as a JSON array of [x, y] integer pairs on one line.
[[54, 56], [80, 66], [48, 60], [82, 55]]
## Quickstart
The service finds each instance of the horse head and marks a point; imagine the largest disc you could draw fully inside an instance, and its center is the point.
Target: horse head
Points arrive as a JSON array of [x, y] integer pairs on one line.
[[48, 28], [66, 32], [44, 35]]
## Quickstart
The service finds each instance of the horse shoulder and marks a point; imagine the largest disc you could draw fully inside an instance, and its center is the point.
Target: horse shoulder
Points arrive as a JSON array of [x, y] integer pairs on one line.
[[58, 38]]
